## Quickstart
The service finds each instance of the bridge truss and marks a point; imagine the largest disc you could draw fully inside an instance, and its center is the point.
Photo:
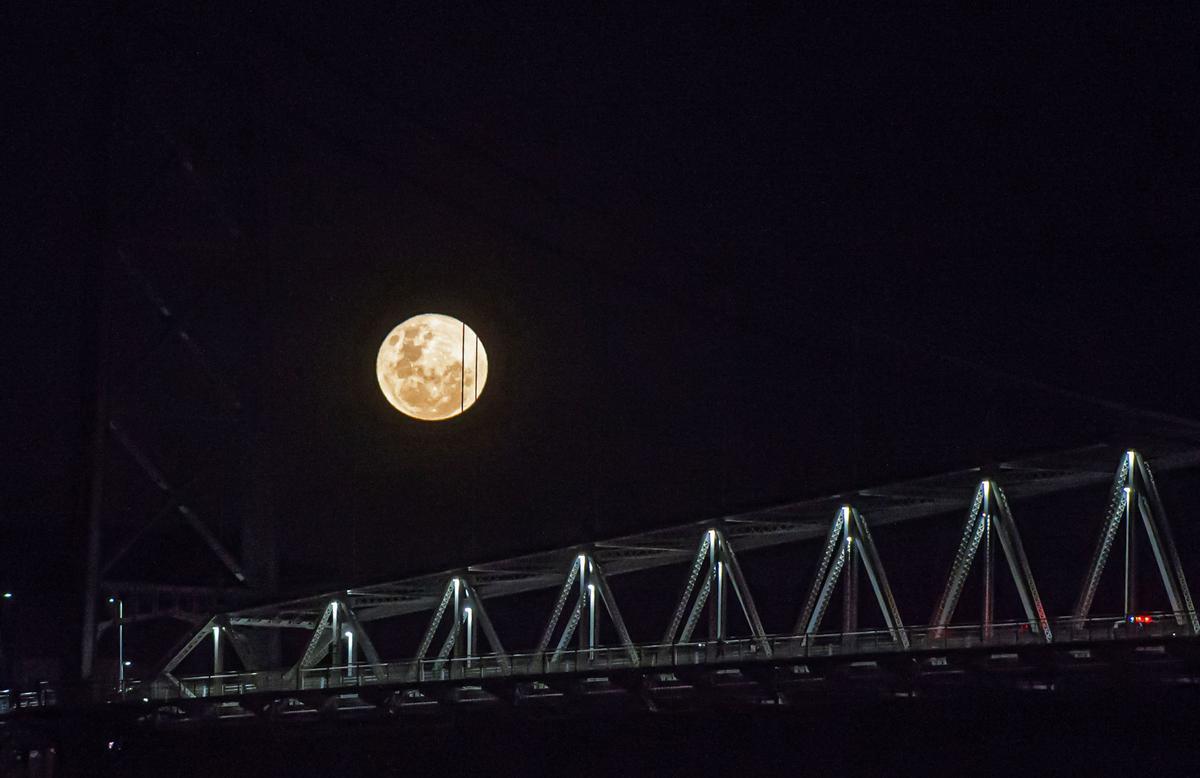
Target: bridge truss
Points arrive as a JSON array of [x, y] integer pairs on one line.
[[338, 622]]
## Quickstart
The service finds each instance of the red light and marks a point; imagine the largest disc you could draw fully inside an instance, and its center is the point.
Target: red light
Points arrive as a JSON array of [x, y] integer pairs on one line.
[[1142, 619]]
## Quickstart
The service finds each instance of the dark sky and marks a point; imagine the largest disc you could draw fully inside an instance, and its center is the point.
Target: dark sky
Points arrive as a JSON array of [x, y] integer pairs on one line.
[[718, 258]]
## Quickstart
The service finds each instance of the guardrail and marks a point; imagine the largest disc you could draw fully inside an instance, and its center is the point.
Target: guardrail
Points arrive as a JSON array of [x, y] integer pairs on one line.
[[656, 657], [45, 696]]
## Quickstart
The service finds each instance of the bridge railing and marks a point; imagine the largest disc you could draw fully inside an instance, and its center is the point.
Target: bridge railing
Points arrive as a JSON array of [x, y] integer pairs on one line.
[[663, 658]]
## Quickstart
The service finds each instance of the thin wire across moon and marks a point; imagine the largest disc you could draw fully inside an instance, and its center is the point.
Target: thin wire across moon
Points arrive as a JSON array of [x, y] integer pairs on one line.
[[432, 367]]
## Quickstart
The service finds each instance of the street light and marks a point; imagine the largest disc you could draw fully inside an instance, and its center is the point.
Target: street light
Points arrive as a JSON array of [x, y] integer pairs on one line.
[[470, 617], [3, 656], [121, 663]]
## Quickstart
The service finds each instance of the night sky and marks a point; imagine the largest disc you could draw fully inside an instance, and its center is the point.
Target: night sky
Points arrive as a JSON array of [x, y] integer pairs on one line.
[[719, 258]]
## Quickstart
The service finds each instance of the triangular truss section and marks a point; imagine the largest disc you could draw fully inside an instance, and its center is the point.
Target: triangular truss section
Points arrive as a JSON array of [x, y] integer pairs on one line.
[[221, 633], [1134, 494], [468, 617], [587, 581], [990, 514], [339, 634], [716, 569], [849, 544]]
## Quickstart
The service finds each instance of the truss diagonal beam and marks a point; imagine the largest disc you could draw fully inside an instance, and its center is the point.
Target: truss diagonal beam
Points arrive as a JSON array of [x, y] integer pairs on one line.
[[1018, 564], [564, 593], [744, 598], [829, 553], [489, 632], [968, 546], [879, 581], [688, 588], [319, 641], [155, 474], [614, 613], [188, 647], [569, 630], [243, 647], [434, 621], [693, 618], [1108, 534], [362, 639]]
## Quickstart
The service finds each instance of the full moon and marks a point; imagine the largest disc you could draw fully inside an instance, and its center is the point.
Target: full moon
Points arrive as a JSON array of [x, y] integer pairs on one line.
[[432, 367]]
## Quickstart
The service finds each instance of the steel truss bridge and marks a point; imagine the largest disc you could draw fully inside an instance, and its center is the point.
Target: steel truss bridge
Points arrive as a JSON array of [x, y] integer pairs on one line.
[[461, 655]]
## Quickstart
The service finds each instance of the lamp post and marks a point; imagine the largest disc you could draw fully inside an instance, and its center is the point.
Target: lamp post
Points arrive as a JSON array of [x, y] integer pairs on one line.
[[4, 679], [119, 609], [470, 618]]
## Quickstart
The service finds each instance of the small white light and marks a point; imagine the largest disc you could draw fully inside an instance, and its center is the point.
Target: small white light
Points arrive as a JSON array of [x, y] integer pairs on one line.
[[349, 634], [128, 663], [8, 596]]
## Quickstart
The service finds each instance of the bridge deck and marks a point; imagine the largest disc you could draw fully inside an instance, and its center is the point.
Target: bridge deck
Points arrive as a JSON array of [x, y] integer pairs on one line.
[[927, 644]]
